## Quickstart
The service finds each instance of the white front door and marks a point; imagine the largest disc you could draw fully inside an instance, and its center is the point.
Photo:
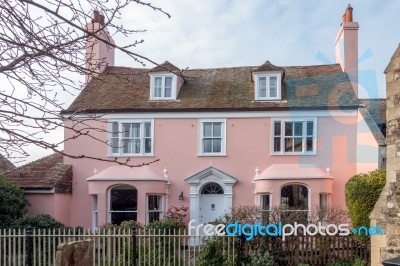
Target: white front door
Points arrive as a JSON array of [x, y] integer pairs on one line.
[[211, 207]]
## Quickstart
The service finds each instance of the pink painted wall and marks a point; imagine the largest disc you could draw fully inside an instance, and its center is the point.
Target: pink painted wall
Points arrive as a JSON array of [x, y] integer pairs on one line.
[[56, 205], [247, 146]]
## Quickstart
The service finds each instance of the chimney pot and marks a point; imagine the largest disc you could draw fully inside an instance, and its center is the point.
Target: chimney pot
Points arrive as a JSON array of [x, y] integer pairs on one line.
[[101, 21], [349, 14], [96, 16], [344, 18]]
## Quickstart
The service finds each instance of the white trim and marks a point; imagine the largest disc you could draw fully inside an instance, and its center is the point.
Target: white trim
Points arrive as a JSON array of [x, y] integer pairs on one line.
[[142, 137], [230, 114], [147, 206], [200, 137], [163, 75], [126, 179], [304, 136], [95, 211], [40, 191], [268, 75]]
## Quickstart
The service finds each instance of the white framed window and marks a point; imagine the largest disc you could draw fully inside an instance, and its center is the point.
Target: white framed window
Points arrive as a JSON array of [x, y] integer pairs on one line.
[[122, 204], [294, 137], [95, 212], [323, 205], [131, 138], [154, 208], [264, 205], [212, 137], [163, 86], [268, 86]]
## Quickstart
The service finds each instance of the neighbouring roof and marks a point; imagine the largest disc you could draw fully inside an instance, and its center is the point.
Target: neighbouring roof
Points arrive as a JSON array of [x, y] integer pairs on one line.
[[377, 110], [122, 89], [46, 173], [5, 165]]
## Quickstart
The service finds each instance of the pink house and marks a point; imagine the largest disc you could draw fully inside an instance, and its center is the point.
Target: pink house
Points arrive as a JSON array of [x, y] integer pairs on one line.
[[215, 138]]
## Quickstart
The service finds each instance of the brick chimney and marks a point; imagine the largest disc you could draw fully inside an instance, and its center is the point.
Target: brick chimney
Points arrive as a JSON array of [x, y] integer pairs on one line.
[[99, 54], [346, 47]]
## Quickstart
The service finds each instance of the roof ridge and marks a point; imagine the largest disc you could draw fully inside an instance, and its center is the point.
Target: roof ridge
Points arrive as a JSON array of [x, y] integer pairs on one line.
[[35, 161]]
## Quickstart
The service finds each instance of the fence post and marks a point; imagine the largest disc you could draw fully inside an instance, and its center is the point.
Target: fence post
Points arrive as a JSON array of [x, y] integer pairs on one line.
[[134, 238], [29, 245], [239, 249]]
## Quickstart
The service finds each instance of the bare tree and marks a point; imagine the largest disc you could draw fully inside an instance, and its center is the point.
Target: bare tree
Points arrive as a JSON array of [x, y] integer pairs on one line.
[[43, 48]]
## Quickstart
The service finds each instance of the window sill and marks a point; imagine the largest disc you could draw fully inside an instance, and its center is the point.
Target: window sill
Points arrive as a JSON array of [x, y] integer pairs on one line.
[[270, 100], [211, 155], [293, 154], [129, 155]]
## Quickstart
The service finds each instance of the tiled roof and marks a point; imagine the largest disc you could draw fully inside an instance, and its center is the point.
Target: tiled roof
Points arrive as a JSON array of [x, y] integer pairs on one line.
[[122, 89], [377, 110], [267, 66], [5, 165], [166, 66], [46, 173]]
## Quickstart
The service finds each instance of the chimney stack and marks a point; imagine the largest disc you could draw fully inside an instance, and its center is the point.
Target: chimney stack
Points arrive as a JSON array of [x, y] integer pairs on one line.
[[99, 54], [346, 47]]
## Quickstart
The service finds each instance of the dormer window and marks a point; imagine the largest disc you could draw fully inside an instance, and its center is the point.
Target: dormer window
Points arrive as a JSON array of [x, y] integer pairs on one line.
[[165, 82], [268, 86], [163, 87], [268, 82]]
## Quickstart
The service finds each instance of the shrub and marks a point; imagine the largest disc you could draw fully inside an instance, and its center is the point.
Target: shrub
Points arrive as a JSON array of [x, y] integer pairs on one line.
[[125, 225], [339, 263], [359, 262], [41, 221], [13, 204], [361, 193], [303, 264], [213, 253], [261, 257], [176, 213]]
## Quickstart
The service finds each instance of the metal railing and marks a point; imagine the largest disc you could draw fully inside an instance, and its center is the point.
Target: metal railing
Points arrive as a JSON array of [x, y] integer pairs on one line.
[[110, 247]]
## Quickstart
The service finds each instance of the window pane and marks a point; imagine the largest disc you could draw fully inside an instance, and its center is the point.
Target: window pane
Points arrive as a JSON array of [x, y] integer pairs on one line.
[[216, 145], [298, 129], [157, 87], [288, 129], [119, 217], [273, 89], [217, 130], [207, 130], [288, 144], [136, 130], [123, 199], [323, 201], [154, 202], [298, 144], [114, 129], [168, 87], [277, 128], [136, 145], [154, 216], [310, 144], [264, 202], [147, 130], [207, 145], [126, 146], [310, 128], [294, 197], [126, 128], [262, 87], [147, 146], [114, 144], [277, 144]]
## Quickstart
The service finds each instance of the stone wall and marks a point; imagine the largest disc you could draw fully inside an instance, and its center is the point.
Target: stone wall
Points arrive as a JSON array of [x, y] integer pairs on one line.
[[387, 210]]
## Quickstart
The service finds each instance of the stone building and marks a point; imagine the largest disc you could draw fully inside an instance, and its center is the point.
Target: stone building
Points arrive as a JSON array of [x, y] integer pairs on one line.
[[387, 210]]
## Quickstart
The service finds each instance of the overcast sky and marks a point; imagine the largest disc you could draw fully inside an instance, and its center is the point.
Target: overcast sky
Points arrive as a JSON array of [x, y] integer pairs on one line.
[[224, 33]]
